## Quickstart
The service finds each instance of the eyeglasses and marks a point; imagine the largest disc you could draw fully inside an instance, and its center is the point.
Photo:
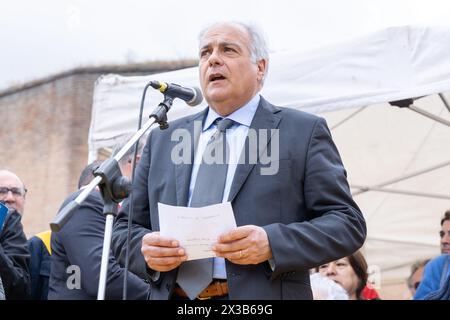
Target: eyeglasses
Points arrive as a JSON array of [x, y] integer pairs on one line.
[[442, 233], [17, 192]]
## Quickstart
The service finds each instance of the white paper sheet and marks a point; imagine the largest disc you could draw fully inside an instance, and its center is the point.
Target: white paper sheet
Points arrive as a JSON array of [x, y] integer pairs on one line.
[[197, 229]]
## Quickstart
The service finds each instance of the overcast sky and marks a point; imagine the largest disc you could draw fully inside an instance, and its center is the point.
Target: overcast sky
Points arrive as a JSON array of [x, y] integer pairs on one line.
[[39, 38]]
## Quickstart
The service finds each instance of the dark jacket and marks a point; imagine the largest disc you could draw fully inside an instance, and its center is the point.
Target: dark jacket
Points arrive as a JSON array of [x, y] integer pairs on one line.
[[306, 208], [14, 258], [40, 263], [76, 258]]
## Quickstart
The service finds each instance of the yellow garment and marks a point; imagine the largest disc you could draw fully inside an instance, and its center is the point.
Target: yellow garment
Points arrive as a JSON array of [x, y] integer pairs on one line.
[[45, 237]]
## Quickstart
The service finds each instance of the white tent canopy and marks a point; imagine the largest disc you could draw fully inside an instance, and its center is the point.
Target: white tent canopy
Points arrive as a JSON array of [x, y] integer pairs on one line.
[[378, 143]]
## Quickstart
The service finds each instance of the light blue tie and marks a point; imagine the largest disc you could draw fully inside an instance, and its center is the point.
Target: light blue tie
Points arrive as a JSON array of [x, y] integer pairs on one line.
[[194, 276]]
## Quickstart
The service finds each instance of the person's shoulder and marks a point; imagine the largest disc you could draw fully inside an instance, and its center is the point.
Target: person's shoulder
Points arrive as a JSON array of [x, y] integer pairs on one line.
[[298, 114], [93, 196], [34, 241], [290, 113], [92, 203], [36, 246], [69, 198], [180, 123], [435, 265], [439, 260], [183, 122]]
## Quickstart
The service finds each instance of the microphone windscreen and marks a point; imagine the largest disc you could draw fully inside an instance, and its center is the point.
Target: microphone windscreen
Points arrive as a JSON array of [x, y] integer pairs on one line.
[[197, 99]]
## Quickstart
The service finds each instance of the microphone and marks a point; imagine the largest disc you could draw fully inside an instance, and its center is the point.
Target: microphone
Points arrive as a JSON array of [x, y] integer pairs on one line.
[[192, 96]]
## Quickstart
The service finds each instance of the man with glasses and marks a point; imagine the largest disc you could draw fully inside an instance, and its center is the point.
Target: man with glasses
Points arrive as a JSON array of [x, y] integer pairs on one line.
[[14, 255], [12, 191]]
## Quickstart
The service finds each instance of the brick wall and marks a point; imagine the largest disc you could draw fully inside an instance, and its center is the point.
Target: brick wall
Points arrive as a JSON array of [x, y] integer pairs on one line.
[[44, 141], [44, 138]]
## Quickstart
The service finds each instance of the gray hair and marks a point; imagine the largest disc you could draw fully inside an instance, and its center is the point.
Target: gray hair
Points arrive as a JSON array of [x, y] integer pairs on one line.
[[258, 46], [128, 156], [417, 264]]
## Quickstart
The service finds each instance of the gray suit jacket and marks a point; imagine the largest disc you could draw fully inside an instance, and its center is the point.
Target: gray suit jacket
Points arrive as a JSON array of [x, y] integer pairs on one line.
[[306, 208]]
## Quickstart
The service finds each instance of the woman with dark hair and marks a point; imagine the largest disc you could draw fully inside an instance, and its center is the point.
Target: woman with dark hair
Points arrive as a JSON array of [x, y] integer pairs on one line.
[[350, 272]]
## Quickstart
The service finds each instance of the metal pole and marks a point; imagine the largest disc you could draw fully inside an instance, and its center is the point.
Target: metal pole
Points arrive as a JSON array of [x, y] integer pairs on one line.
[[445, 101], [401, 178], [429, 115], [347, 118], [105, 257], [405, 192]]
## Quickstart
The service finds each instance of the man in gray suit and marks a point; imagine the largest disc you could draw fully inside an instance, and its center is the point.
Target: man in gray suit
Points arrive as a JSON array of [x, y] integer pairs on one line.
[[292, 214]]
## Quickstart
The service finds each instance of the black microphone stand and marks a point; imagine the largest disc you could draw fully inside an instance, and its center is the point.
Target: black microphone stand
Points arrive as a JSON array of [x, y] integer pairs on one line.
[[113, 187]]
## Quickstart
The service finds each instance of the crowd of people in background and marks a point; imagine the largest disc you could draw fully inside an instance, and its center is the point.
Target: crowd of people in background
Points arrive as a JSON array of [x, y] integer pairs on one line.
[[36, 268], [26, 265], [283, 238]]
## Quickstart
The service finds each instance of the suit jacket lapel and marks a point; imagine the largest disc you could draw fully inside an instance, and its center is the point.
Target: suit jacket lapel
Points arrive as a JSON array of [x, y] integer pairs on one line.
[[183, 170], [266, 117]]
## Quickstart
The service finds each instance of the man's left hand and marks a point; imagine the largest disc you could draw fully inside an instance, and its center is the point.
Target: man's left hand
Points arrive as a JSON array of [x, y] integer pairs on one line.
[[244, 245]]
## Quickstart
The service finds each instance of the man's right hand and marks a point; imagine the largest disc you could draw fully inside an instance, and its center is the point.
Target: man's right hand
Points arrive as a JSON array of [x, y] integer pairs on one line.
[[162, 254]]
